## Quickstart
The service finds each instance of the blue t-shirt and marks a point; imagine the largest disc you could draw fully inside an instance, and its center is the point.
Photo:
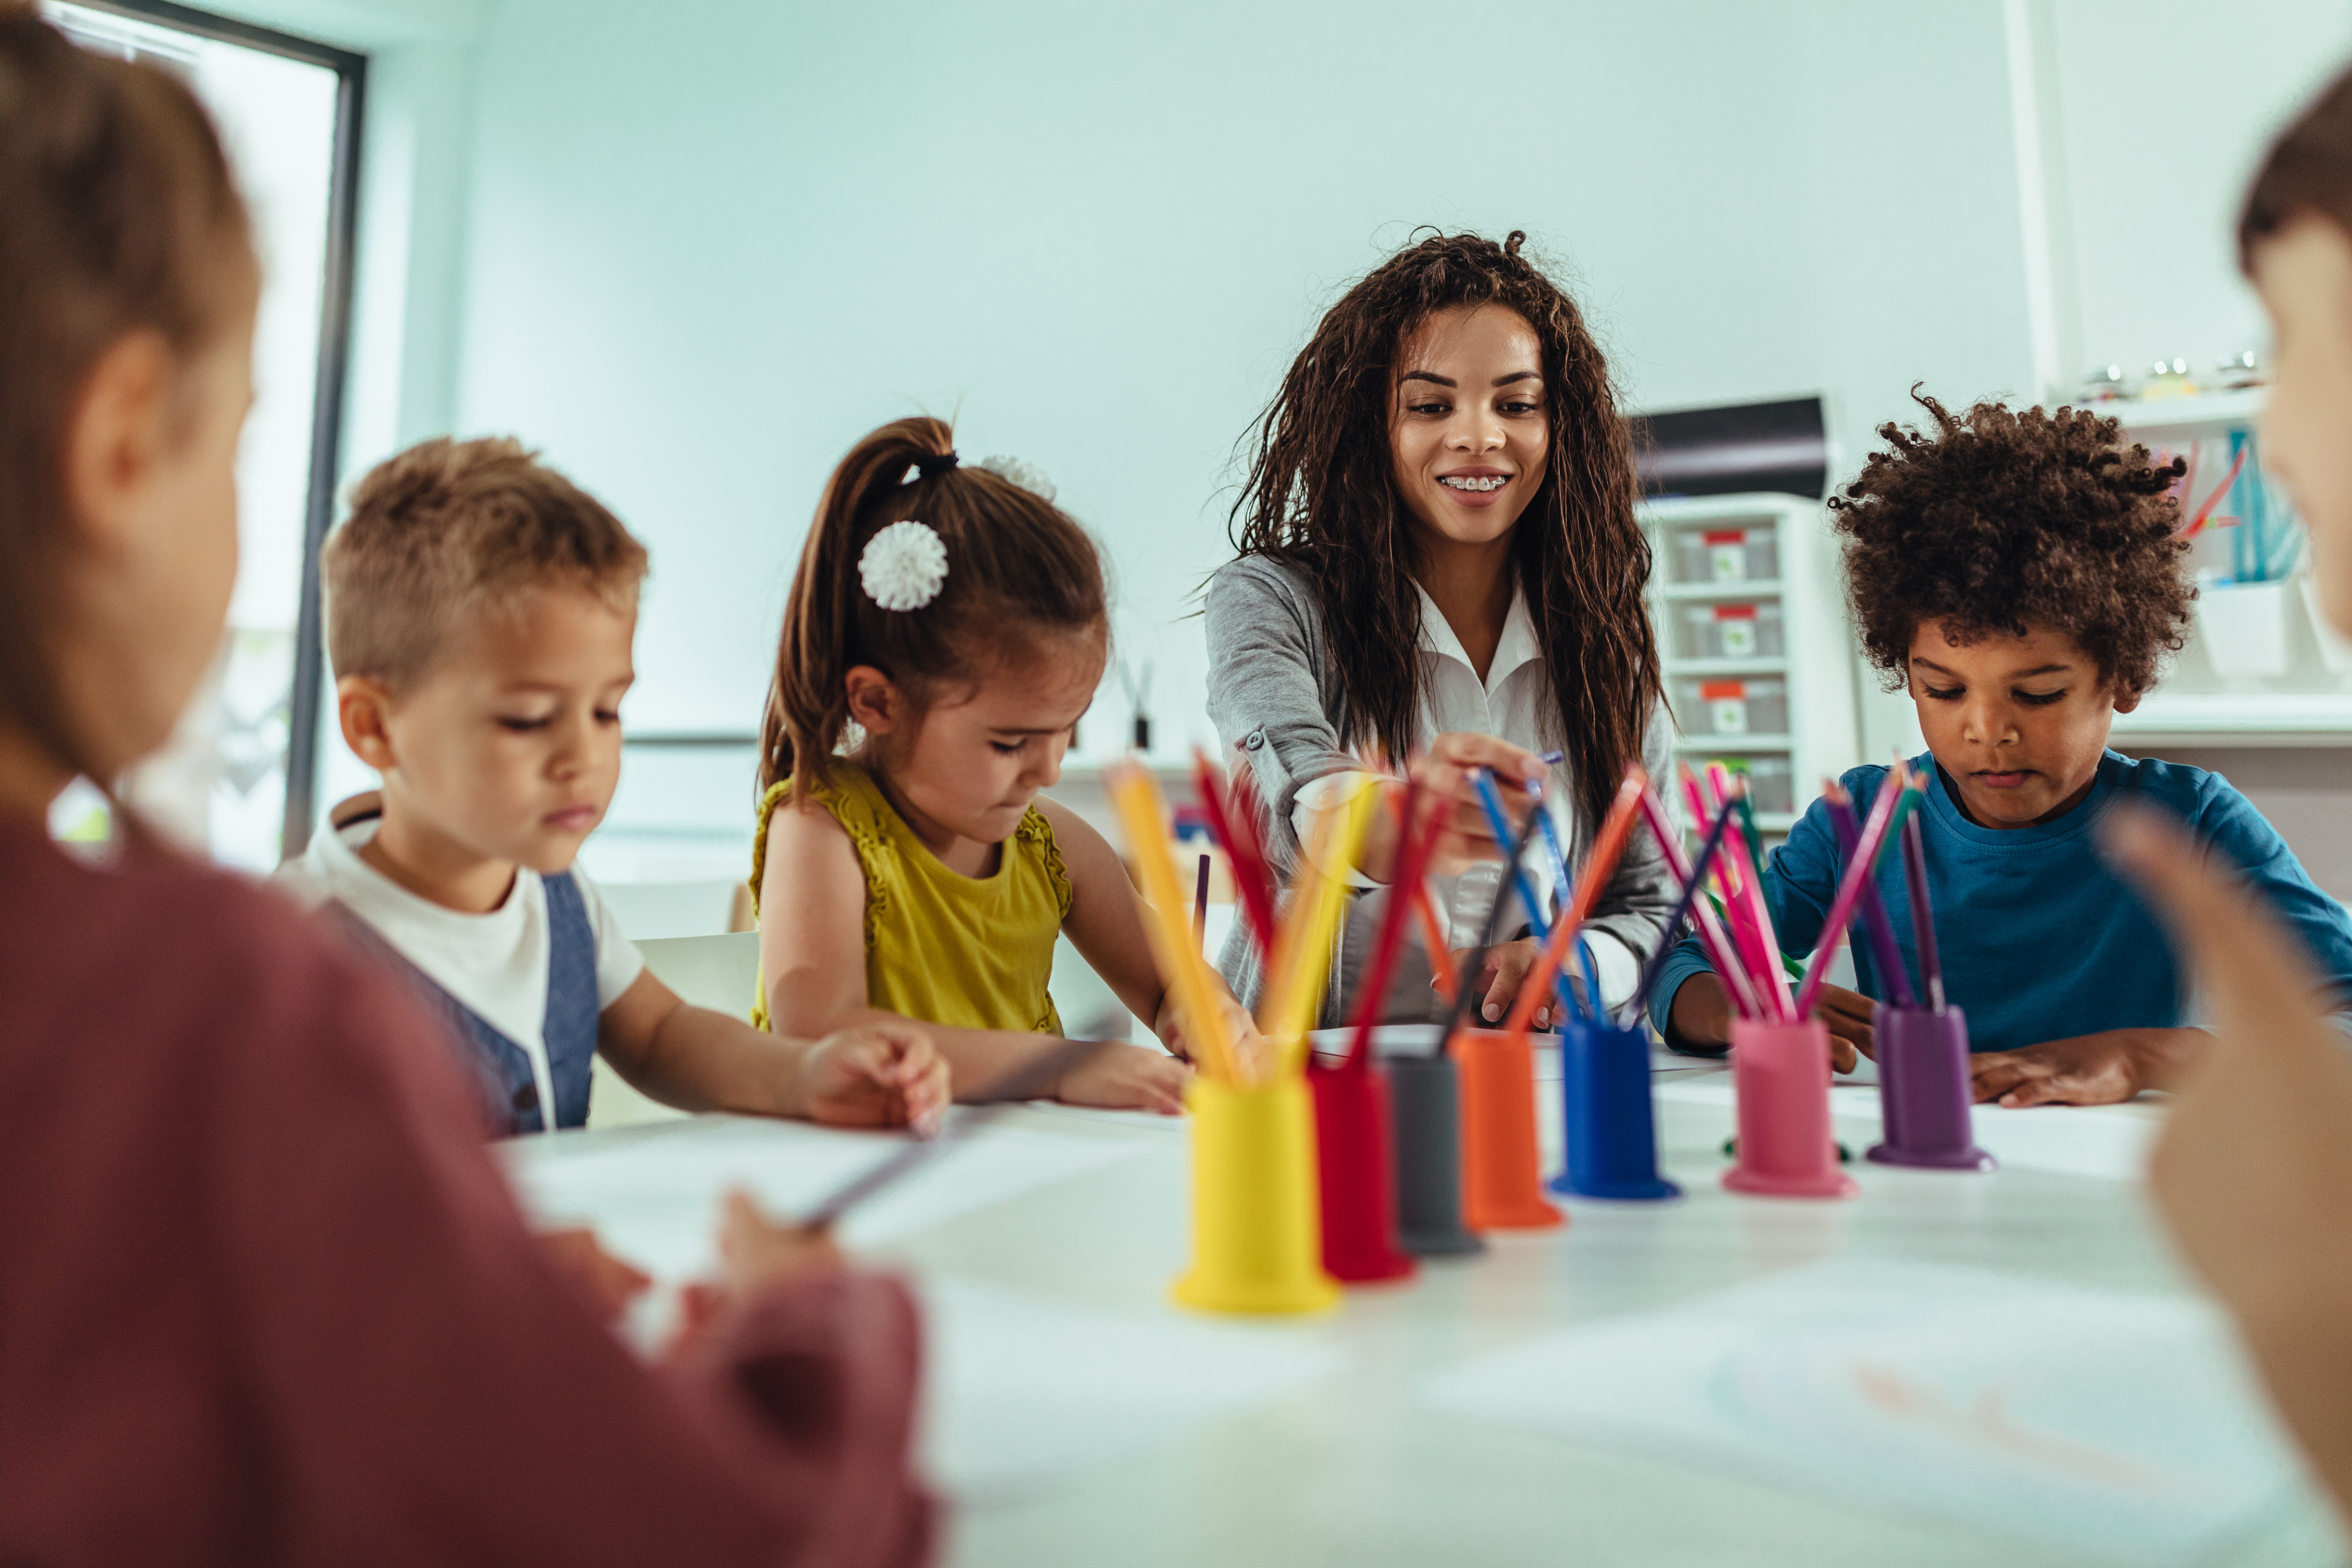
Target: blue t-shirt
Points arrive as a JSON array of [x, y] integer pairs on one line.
[[2039, 939]]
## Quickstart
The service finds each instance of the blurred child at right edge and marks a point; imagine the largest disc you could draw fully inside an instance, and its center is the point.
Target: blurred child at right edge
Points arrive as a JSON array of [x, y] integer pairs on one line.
[[2254, 1169], [268, 1299]]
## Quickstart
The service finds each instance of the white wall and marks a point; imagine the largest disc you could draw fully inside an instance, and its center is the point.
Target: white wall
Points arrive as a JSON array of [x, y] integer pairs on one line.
[[710, 245]]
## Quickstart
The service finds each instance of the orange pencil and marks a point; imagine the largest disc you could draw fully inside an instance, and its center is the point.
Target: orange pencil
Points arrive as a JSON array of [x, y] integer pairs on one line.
[[1606, 848]]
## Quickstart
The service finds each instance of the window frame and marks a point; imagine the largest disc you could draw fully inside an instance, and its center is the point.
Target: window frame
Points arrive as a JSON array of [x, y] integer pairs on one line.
[[303, 718]]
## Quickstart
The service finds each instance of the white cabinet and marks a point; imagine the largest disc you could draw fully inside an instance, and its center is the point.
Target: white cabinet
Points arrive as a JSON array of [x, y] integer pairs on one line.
[[1759, 662]]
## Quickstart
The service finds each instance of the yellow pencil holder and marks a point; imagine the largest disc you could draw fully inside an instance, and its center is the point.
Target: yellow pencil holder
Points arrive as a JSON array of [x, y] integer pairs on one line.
[[1257, 1242]]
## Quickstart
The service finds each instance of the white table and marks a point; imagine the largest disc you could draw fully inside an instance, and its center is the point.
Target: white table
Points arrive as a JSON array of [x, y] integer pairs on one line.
[[1344, 1460]]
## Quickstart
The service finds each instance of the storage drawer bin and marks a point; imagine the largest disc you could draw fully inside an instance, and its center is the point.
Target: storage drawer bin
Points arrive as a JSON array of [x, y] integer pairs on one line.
[[1772, 785], [1727, 554], [1733, 631], [1756, 705]]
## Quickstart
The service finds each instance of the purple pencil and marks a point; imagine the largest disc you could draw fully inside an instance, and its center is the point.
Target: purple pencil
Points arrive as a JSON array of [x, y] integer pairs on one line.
[[1922, 913]]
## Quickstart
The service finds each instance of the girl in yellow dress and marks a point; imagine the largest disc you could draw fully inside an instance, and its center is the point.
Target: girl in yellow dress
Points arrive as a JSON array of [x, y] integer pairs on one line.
[[947, 627]]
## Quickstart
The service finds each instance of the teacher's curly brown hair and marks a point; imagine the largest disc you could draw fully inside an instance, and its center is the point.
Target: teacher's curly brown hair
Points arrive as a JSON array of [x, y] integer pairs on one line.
[[1996, 520], [1322, 494]]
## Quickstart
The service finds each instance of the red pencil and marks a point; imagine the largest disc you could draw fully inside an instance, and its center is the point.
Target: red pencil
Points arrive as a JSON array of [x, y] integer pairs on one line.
[[1252, 890], [1413, 856]]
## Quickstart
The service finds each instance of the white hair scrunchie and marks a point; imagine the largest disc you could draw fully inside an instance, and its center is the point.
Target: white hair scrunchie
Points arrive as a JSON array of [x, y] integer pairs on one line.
[[1022, 472], [904, 566]]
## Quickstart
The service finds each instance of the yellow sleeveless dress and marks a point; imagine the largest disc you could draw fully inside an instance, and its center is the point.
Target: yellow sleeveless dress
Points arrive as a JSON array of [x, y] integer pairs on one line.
[[972, 952]]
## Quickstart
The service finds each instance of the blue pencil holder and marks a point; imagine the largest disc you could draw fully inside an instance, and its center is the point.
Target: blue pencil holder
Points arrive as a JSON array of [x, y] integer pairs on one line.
[[1612, 1135]]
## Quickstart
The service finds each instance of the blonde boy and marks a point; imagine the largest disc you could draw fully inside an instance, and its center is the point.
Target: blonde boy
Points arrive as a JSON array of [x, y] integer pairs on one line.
[[480, 613]]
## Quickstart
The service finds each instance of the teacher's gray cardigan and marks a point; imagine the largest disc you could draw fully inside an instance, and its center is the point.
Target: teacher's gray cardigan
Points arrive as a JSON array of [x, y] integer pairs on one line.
[[1275, 699]]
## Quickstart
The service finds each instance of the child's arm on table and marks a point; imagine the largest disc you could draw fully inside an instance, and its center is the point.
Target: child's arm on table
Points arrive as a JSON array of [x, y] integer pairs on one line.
[[878, 1072], [1106, 926], [2253, 1170], [813, 964], [1702, 1016]]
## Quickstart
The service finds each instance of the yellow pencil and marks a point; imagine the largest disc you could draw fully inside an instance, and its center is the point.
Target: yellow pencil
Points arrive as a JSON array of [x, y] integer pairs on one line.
[[1136, 798], [1319, 901]]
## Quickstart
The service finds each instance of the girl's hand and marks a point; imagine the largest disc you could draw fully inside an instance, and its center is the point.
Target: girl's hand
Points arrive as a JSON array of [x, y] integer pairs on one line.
[[754, 1251], [1497, 973], [1121, 1077], [1240, 1027], [2253, 1170], [872, 1075], [612, 1282]]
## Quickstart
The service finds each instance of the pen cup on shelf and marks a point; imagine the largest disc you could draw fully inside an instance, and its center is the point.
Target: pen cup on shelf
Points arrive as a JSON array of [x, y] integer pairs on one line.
[[1256, 1235], [1426, 1097], [1502, 1170], [1924, 1091], [1781, 1083], [2243, 627], [1607, 1119], [1356, 1170]]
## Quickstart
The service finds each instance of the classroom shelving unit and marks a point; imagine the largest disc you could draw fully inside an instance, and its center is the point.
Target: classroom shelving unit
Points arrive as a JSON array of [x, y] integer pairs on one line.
[[2197, 704], [1753, 641]]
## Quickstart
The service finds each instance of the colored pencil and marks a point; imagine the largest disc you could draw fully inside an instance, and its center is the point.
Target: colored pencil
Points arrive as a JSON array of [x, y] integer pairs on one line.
[[1607, 844], [1490, 800], [1136, 799], [1881, 812], [1253, 891], [1690, 880], [1883, 947], [1752, 939], [1466, 992], [1318, 900], [1201, 907], [1433, 930], [1923, 914], [1414, 844], [1719, 950]]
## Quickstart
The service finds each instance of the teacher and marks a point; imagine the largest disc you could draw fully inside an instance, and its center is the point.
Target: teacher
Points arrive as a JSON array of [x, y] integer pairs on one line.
[[1439, 565]]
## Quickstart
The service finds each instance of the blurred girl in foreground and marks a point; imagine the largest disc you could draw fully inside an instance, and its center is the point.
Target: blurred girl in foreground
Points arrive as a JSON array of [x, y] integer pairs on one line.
[[267, 1301], [2255, 1170]]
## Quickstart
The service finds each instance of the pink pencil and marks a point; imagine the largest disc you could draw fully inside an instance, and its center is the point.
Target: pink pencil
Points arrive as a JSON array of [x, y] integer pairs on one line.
[[1751, 856], [1849, 893], [1710, 933], [1752, 941]]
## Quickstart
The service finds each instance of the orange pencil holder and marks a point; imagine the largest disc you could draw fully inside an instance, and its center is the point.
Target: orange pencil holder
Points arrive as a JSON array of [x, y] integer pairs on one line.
[[1780, 1079], [1502, 1170]]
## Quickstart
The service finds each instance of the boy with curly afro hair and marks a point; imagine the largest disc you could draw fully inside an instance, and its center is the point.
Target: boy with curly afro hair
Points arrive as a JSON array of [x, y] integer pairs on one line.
[[2020, 574]]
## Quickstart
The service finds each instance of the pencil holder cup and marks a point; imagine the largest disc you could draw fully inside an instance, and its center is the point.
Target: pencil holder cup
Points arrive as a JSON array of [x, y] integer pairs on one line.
[[1356, 1172], [1502, 1173], [1925, 1092], [1780, 1079], [1257, 1242], [1427, 1101], [1612, 1135]]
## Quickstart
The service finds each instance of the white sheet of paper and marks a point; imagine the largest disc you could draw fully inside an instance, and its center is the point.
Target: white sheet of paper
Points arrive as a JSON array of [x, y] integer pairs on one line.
[[654, 1199], [2117, 1427], [1022, 1392]]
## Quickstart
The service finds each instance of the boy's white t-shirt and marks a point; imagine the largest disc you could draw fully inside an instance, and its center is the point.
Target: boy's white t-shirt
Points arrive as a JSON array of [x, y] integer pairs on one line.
[[496, 964]]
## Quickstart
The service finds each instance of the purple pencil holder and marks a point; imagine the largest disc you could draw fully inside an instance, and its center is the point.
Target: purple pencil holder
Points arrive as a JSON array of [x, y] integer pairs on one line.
[[1924, 1091]]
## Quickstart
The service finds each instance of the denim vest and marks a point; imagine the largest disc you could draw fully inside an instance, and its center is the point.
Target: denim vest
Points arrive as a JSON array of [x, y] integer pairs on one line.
[[501, 1067]]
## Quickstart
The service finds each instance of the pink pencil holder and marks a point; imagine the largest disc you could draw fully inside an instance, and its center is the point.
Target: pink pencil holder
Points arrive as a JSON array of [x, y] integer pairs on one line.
[[1780, 1078]]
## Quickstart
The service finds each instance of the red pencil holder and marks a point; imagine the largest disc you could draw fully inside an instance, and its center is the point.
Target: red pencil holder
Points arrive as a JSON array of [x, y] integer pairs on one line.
[[1502, 1172], [1780, 1078], [1356, 1171]]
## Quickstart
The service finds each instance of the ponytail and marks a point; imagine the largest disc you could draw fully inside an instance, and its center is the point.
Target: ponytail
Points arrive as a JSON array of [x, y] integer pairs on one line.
[[1017, 569]]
